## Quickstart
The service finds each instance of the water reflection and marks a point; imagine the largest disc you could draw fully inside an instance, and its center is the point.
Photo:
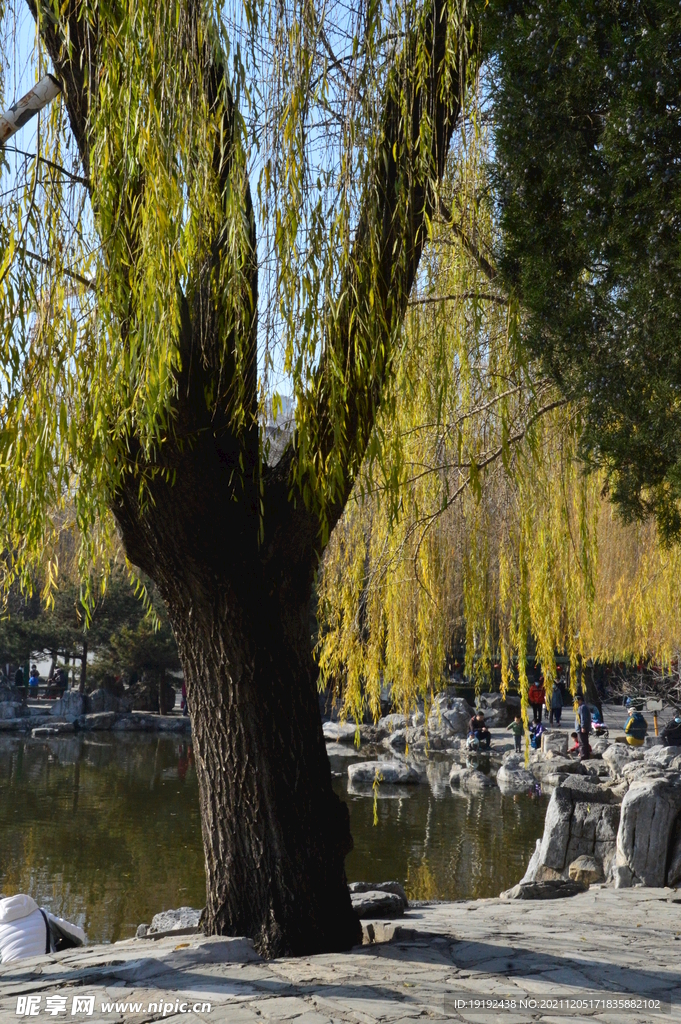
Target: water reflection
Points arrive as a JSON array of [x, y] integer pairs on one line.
[[105, 831]]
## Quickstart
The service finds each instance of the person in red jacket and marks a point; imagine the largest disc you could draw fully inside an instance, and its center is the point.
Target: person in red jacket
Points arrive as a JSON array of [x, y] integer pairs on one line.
[[537, 696]]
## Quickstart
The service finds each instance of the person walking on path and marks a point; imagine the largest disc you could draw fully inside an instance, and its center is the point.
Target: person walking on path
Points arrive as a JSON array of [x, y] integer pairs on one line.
[[517, 728], [635, 728], [556, 704], [584, 716], [536, 698]]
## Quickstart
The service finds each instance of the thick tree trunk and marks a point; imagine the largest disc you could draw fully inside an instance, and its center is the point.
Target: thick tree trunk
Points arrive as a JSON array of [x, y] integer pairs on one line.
[[275, 834]]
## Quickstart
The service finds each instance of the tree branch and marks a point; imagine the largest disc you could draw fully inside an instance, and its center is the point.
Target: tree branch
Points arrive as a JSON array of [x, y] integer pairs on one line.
[[390, 237]]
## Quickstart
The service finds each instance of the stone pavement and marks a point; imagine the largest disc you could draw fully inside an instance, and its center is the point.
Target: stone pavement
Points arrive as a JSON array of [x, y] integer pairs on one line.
[[604, 942]]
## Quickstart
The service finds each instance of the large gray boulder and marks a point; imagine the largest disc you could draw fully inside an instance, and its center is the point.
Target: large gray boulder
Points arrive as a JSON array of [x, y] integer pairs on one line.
[[393, 887], [377, 903], [71, 706], [576, 825], [497, 711], [662, 757], [9, 710], [339, 732], [386, 772], [449, 717], [513, 777], [103, 700], [649, 811], [469, 780], [554, 743], [617, 755]]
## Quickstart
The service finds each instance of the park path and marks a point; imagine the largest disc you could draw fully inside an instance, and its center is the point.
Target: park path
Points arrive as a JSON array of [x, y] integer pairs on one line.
[[604, 943]]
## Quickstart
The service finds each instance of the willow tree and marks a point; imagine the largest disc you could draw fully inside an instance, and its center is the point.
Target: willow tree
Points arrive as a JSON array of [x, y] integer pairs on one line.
[[133, 253]]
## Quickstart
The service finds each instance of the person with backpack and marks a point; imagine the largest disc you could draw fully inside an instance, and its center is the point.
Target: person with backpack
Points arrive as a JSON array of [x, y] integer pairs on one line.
[[26, 930], [635, 728]]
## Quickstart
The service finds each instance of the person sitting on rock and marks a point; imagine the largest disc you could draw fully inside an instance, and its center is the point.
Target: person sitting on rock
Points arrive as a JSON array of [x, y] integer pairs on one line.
[[635, 728], [671, 734], [478, 729], [574, 749]]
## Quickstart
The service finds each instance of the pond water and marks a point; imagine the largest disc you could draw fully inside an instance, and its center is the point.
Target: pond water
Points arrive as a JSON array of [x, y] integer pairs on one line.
[[105, 831]]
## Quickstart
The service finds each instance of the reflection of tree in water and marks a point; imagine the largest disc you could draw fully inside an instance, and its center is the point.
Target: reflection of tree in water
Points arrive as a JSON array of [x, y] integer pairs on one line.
[[103, 831], [457, 847]]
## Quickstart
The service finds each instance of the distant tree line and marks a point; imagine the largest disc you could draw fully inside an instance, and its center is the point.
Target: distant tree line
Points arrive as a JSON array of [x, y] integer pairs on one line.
[[123, 642]]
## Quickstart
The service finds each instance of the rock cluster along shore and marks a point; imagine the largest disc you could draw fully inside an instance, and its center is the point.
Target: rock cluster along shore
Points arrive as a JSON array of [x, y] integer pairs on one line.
[[615, 818], [93, 712]]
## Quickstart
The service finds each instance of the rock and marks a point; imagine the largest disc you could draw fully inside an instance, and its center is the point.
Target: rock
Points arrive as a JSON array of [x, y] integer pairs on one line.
[[554, 744], [377, 903], [513, 777], [102, 700], [174, 920], [640, 770], [97, 722], [339, 732], [586, 869], [586, 789], [132, 723], [469, 780], [396, 740], [7, 710], [388, 772], [449, 716], [498, 713], [552, 890], [389, 724], [142, 930], [575, 825], [71, 706], [662, 757], [393, 887], [649, 810], [542, 766], [56, 729], [600, 745], [619, 754]]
